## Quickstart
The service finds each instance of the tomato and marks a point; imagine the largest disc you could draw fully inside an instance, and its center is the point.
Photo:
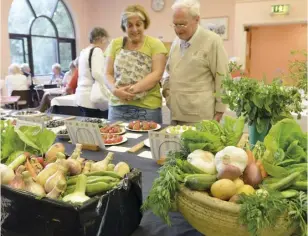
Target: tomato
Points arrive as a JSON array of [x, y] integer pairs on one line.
[[40, 160], [107, 141]]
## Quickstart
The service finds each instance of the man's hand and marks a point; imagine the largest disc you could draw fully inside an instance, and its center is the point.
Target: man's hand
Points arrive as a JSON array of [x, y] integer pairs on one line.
[[218, 116], [166, 93]]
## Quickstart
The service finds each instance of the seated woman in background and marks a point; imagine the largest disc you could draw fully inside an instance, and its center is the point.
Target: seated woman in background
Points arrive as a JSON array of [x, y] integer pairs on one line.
[[70, 88], [134, 68], [16, 80], [98, 41], [57, 74], [69, 74]]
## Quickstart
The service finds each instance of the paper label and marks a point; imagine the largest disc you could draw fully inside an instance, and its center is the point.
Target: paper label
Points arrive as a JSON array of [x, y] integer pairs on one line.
[[84, 133], [162, 143]]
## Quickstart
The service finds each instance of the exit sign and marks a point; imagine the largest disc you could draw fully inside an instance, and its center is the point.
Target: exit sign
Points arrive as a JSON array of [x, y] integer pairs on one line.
[[280, 9]]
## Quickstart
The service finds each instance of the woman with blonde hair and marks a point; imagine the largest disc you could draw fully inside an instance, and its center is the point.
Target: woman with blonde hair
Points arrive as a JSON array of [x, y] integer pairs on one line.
[[15, 80], [134, 67]]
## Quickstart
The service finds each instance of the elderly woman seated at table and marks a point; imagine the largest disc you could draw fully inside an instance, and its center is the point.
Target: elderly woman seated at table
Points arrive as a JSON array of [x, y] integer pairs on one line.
[[69, 74], [57, 74], [15, 80]]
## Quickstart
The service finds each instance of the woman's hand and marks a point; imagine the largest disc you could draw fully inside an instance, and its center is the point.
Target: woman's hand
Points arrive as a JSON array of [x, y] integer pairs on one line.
[[123, 93]]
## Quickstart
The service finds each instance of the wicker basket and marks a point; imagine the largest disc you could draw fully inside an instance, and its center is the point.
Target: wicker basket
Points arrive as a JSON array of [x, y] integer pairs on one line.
[[214, 217]]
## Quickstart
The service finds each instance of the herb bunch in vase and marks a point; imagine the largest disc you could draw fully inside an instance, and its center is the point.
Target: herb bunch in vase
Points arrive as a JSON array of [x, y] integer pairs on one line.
[[261, 104]]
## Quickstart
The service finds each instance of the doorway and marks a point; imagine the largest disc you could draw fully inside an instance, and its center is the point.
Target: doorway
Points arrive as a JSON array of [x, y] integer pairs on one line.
[[269, 49]]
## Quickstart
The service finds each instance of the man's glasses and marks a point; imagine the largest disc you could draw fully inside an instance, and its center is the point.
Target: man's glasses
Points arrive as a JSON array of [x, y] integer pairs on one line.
[[179, 26]]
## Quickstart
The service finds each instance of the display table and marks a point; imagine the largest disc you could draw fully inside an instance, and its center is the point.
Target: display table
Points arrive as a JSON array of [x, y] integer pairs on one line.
[[65, 105], [150, 224]]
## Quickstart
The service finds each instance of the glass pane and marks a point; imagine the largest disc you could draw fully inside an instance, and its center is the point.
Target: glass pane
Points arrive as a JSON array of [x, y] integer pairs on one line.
[[43, 7], [65, 55], [17, 51], [42, 26], [20, 17], [44, 54], [63, 22]]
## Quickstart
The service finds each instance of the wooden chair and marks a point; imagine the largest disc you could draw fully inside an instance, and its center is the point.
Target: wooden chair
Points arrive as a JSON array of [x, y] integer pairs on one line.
[[25, 100]]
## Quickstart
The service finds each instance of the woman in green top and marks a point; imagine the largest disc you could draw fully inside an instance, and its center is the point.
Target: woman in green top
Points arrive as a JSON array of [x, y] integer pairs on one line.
[[134, 66]]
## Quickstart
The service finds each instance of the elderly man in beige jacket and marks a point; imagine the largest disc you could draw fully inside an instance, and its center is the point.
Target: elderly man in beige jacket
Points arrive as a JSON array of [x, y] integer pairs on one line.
[[196, 65]]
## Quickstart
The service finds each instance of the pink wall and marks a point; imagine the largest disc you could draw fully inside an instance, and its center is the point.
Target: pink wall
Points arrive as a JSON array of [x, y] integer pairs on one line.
[[257, 12], [108, 13], [271, 47]]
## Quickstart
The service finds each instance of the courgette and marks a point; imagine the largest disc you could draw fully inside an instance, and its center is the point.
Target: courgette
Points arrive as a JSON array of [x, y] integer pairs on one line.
[[104, 173], [93, 189], [192, 169], [96, 188], [300, 185], [199, 181], [93, 179], [284, 183], [289, 193]]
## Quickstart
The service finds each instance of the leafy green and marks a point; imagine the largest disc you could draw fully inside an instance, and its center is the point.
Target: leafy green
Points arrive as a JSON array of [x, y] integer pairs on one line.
[[212, 136], [10, 141], [259, 102], [284, 141], [233, 130], [27, 138], [37, 138]]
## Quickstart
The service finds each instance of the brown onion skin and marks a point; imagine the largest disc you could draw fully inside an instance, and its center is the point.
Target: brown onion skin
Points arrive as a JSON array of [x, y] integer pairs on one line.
[[252, 175]]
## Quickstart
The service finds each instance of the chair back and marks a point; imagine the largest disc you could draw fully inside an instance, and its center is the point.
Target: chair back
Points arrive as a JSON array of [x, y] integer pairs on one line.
[[25, 98], [47, 86]]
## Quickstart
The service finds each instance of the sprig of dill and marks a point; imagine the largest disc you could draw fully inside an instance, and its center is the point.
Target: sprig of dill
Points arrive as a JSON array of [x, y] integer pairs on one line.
[[259, 212], [164, 189]]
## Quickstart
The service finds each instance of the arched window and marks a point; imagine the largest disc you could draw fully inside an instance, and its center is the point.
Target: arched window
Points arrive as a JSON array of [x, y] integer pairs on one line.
[[41, 33]]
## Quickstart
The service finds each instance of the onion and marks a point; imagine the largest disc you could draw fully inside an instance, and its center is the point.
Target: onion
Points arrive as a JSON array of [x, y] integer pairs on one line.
[[18, 182], [252, 175], [7, 174], [31, 186], [229, 172]]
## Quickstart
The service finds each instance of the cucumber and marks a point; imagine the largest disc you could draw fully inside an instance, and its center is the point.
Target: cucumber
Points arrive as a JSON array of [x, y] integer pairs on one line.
[[199, 181]]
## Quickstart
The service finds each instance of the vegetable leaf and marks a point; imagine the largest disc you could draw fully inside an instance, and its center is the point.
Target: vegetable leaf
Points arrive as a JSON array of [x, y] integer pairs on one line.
[[10, 141], [233, 130], [34, 136], [280, 142]]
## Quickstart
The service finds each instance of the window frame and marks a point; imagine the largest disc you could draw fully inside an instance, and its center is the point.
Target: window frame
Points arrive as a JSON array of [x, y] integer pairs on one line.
[[59, 40]]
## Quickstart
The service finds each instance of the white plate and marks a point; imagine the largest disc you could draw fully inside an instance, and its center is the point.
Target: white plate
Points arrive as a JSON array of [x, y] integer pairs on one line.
[[113, 144], [178, 131], [157, 128], [122, 132], [35, 114], [147, 143]]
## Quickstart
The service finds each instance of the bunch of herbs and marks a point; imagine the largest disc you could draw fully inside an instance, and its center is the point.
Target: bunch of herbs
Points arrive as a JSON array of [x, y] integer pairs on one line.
[[259, 102]]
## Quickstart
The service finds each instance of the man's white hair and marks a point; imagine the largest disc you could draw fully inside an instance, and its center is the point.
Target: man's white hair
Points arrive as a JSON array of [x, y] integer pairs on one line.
[[192, 5], [56, 66], [24, 66]]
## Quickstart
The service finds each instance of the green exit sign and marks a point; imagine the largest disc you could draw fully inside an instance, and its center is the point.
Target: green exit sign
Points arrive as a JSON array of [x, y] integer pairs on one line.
[[280, 9]]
